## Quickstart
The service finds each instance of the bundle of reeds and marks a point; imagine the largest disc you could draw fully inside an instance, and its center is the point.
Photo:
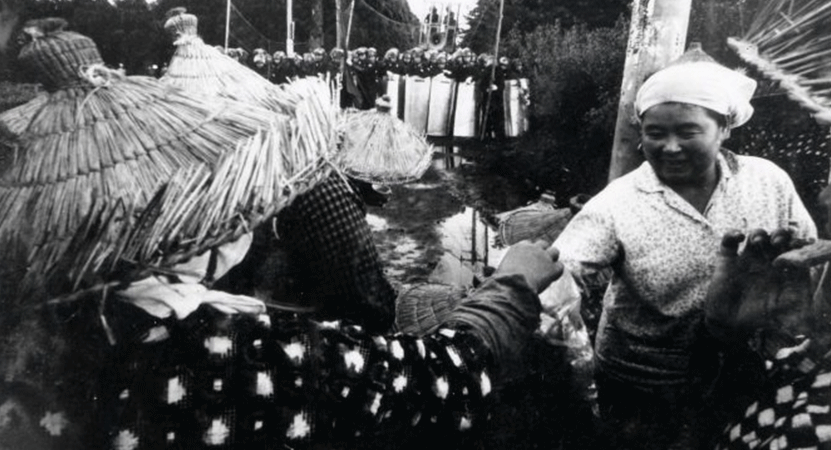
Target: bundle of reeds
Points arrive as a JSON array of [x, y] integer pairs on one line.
[[313, 122], [421, 309], [198, 208], [13, 121], [196, 66], [379, 148], [99, 136], [788, 42]]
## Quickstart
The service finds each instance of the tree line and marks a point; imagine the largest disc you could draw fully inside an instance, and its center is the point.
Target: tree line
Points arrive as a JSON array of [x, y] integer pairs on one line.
[[130, 32]]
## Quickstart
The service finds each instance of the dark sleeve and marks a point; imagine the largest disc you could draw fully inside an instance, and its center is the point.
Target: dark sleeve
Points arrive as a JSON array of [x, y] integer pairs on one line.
[[282, 380]]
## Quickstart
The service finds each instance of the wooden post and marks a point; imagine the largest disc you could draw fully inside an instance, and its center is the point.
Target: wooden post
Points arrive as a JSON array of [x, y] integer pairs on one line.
[[657, 35], [316, 35]]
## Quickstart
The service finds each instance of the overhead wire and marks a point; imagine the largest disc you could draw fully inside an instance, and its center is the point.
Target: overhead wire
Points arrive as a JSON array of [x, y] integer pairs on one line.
[[262, 41]]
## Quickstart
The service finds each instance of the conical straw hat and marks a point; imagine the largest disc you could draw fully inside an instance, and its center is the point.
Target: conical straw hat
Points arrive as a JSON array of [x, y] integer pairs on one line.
[[379, 148], [13, 121], [198, 67], [101, 136], [197, 209], [202, 69]]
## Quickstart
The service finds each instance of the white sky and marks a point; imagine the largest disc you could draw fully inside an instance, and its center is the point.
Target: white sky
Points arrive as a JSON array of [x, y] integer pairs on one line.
[[421, 7]]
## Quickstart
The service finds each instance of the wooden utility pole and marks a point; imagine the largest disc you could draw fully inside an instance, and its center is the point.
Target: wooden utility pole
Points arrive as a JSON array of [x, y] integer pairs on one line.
[[657, 35], [316, 36]]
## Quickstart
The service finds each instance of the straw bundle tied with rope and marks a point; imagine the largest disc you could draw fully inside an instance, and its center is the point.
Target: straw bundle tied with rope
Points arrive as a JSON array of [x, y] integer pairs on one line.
[[98, 136], [379, 148], [196, 66], [788, 42]]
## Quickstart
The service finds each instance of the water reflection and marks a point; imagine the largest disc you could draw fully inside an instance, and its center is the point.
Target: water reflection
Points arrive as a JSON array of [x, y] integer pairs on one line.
[[411, 254], [469, 239], [447, 158]]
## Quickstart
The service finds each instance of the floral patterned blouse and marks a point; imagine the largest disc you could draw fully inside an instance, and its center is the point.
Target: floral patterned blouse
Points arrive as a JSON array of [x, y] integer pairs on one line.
[[662, 252]]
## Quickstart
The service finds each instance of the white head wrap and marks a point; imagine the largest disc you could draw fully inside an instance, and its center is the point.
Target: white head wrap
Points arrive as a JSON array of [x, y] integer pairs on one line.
[[701, 83]]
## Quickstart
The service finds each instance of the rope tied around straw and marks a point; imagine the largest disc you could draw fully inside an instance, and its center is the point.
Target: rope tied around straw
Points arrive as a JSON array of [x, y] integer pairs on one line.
[[99, 76], [185, 39]]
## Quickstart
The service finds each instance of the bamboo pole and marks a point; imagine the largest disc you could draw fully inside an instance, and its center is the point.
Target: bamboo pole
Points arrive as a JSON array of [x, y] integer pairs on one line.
[[657, 35], [493, 69]]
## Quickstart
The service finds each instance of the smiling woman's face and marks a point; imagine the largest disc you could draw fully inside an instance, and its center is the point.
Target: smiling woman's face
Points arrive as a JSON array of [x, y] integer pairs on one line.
[[681, 142]]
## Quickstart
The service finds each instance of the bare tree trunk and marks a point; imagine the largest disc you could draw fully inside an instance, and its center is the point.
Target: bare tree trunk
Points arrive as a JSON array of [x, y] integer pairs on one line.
[[316, 35], [657, 36]]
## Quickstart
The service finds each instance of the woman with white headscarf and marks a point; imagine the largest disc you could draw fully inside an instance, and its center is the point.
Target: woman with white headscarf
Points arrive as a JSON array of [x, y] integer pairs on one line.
[[658, 230]]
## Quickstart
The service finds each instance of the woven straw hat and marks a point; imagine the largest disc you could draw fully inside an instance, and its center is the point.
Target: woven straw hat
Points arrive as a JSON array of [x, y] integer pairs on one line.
[[199, 208], [379, 148], [421, 309], [13, 121], [100, 137], [198, 67]]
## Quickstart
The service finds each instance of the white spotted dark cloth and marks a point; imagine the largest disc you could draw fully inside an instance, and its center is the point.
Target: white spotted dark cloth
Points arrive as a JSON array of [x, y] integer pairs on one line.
[[281, 381], [795, 413], [663, 252]]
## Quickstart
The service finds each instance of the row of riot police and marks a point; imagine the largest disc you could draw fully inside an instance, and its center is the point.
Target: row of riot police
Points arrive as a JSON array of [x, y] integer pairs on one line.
[[457, 94]]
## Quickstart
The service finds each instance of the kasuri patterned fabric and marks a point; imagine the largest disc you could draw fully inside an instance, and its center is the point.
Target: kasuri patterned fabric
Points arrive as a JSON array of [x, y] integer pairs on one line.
[[333, 257], [794, 413], [277, 380]]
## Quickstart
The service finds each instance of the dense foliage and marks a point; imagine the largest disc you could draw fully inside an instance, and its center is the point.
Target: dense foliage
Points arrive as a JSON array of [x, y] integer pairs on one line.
[[575, 75], [524, 16], [130, 32]]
